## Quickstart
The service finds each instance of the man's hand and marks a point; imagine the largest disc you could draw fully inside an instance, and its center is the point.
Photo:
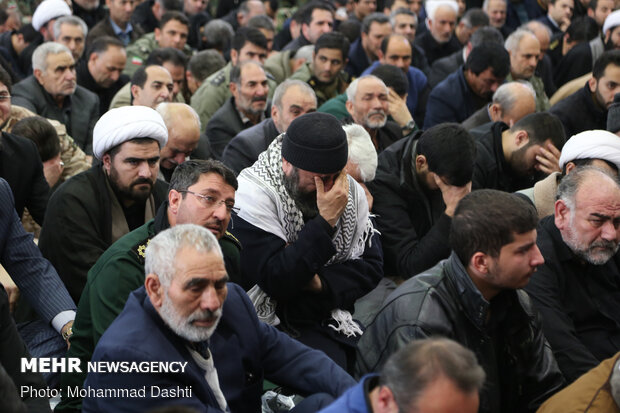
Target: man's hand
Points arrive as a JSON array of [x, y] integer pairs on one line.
[[52, 171], [398, 109], [315, 284], [548, 159], [452, 195], [13, 293], [64, 332], [332, 203]]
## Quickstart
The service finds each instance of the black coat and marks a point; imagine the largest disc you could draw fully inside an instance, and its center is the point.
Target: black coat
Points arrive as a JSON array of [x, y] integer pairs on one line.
[[413, 233], [444, 67], [578, 112], [243, 150], [358, 61], [106, 94], [104, 28], [223, 126], [143, 17], [435, 51]]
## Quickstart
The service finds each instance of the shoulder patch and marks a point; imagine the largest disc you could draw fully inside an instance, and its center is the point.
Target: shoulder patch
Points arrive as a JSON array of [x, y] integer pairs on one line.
[[230, 237], [136, 61], [219, 79], [269, 76], [140, 249], [554, 44]]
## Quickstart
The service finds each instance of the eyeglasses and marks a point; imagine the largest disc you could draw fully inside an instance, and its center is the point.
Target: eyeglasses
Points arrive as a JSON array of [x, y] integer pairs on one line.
[[211, 202]]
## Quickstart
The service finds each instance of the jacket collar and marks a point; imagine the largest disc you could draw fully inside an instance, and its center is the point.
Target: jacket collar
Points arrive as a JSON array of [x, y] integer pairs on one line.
[[476, 307]]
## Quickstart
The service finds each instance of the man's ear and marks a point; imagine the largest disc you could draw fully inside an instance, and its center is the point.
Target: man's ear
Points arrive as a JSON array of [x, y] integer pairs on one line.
[[38, 74], [107, 162], [174, 200], [385, 401], [135, 91], [232, 86], [154, 289], [569, 167], [495, 111], [480, 262], [157, 32], [522, 138], [349, 106], [592, 83], [561, 214], [233, 56], [420, 163]]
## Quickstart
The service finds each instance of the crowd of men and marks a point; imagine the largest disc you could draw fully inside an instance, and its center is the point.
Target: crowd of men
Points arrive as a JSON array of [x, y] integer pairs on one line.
[[373, 205]]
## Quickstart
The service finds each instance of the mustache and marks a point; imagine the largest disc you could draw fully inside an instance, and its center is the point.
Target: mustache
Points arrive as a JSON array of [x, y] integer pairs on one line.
[[206, 315], [608, 245], [141, 181], [259, 99], [377, 112]]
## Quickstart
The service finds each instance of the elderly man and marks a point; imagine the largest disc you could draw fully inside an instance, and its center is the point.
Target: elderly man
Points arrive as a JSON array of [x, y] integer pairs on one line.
[[296, 202], [71, 31], [95, 208], [577, 289], [325, 74], [291, 99], [46, 14], [496, 10], [365, 49], [183, 127], [224, 348], [597, 148], [439, 40], [52, 92], [367, 103], [511, 102], [475, 298], [524, 50], [120, 269], [245, 108], [509, 158], [420, 180], [471, 87], [172, 32], [446, 376], [101, 71], [117, 24]]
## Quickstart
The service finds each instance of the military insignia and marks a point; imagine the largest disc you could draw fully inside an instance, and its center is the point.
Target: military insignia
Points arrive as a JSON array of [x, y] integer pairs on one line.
[[136, 61], [140, 250], [554, 44], [232, 238], [219, 79]]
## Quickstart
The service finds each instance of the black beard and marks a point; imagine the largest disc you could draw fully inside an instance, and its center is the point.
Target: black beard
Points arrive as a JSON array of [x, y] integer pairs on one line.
[[305, 201], [129, 193]]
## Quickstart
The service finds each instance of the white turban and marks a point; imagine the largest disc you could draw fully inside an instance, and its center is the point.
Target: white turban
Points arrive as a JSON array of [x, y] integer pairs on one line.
[[611, 21], [119, 125], [48, 10], [592, 144]]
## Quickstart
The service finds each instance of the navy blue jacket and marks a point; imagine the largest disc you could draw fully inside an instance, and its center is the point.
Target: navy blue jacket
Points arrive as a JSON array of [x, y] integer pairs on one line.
[[358, 61], [245, 351], [532, 8]]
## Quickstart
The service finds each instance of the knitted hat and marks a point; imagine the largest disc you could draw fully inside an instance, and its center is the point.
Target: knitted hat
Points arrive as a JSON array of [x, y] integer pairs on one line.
[[122, 124], [613, 115], [316, 142], [48, 10]]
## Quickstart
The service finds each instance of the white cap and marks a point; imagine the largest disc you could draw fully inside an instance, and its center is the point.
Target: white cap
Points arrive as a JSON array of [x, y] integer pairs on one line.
[[431, 6], [122, 124], [611, 21], [48, 10], [592, 144]]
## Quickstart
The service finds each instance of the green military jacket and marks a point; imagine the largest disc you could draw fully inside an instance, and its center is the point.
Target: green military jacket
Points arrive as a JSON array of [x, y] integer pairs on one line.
[[279, 65], [118, 272], [139, 51], [214, 91], [323, 91], [542, 101]]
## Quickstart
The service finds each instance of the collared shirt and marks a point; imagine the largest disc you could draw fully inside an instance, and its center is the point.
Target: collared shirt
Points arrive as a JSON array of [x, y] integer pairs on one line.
[[123, 35]]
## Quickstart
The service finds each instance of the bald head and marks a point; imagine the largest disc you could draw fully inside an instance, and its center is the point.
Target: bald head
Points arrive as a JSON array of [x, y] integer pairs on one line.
[[511, 102], [183, 126]]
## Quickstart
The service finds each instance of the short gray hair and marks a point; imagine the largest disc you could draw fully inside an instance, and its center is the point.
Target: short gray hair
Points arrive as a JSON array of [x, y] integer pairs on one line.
[[411, 369], [219, 34], [513, 41], [485, 4], [400, 11], [571, 183], [39, 57], [362, 152], [71, 21], [284, 87], [162, 249], [168, 110], [352, 89], [505, 97]]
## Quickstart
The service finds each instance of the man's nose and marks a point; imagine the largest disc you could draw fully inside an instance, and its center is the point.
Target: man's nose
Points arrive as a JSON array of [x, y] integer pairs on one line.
[[609, 232], [537, 258], [210, 300]]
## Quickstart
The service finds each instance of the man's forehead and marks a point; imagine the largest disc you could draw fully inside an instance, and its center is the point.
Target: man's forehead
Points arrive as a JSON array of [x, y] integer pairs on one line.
[[175, 25], [59, 59], [66, 27], [367, 86], [213, 181], [158, 74]]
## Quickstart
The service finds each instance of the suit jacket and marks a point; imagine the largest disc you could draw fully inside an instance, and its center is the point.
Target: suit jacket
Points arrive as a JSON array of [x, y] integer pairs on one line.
[[445, 66], [243, 150], [245, 352], [547, 22], [225, 124], [480, 117], [21, 166], [435, 51], [358, 61], [37, 280], [104, 28], [79, 113]]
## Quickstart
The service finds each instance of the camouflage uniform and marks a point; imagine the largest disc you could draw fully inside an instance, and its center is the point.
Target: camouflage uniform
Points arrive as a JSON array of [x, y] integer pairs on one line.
[[139, 51], [323, 91]]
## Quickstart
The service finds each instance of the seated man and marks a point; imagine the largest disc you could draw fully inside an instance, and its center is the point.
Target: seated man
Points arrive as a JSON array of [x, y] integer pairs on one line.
[[291, 99], [295, 203], [439, 40], [475, 298], [52, 92], [558, 15], [508, 158], [432, 375], [187, 313], [245, 108], [95, 208], [71, 31], [577, 290], [365, 49], [511, 102], [325, 73], [120, 269], [116, 24], [471, 87], [596, 148], [419, 182]]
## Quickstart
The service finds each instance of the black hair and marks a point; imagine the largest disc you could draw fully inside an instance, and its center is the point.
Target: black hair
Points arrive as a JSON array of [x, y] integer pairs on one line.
[[42, 133], [488, 55], [475, 17], [610, 57], [540, 127], [393, 77], [373, 18], [248, 34], [450, 152], [102, 43], [351, 28], [189, 172], [582, 29], [309, 8], [5, 78], [204, 63], [485, 220], [29, 33], [173, 15], [167, 54], [333, 40]]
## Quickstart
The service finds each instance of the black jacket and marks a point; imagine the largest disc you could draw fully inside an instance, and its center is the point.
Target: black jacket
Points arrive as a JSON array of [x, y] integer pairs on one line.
[[579, 302], [358, 60], [143, 17], [579, 112], [385, 136], [243, 150], [106, 94], [505, 334], [445, 66], [104, 28], [435, 51], [413, 233]]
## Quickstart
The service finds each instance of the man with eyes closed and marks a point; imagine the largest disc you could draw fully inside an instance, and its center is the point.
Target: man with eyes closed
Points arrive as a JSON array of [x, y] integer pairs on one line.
[[201, 193]]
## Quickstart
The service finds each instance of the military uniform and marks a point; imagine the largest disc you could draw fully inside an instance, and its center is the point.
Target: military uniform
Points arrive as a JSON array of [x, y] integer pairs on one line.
[[279, 65], [139, 51], [214, 91], [323, 91], [542, 101]]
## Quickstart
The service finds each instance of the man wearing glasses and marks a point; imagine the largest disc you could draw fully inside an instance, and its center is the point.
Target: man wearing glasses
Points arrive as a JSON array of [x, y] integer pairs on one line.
[[201, 193]]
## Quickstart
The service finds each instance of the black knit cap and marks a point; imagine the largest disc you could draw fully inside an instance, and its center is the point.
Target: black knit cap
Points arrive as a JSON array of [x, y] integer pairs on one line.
[[316, 142]]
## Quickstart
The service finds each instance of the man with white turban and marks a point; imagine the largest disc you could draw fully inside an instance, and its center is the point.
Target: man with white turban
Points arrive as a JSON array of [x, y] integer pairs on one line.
[[597, 148], [118, 194]]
